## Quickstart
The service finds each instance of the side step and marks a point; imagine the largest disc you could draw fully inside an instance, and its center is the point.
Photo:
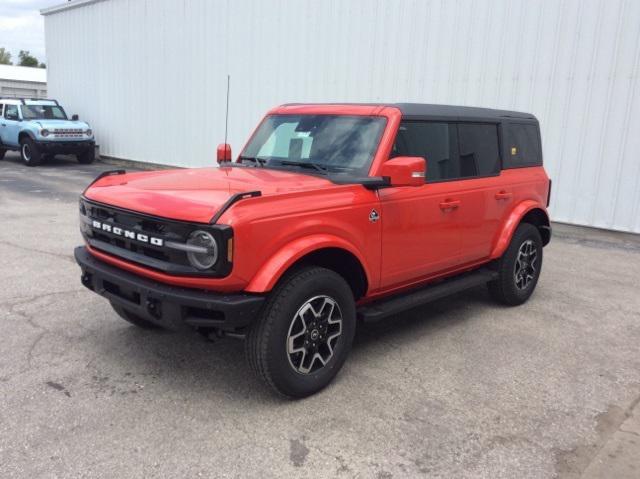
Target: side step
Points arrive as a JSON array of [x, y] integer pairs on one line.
[[380, 309]]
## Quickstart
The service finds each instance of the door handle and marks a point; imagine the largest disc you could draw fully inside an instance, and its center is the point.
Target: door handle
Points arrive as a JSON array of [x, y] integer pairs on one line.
[[503, 195], [449, 204]]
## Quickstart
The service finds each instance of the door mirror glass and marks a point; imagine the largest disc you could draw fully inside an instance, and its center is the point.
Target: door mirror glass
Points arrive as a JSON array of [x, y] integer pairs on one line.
[[75, 117], [223, 152], [405, 171]]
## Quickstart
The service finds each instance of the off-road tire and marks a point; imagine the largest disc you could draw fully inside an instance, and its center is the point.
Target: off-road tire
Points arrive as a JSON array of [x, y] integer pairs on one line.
[[86, 157], [29, 152], [504, 289], [267, 339], [133, 318]]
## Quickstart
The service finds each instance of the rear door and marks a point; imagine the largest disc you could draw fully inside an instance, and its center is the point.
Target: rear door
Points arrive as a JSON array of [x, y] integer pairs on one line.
[[10, 125], [484, 193]]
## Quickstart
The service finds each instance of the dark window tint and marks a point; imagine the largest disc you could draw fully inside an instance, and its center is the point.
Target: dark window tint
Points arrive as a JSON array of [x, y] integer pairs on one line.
[[434, 141], [522, 145], [478, 145]]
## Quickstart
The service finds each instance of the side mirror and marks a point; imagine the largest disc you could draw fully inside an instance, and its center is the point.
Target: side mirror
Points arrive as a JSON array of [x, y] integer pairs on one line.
[[224, 152], [405, 171], [75, 117]]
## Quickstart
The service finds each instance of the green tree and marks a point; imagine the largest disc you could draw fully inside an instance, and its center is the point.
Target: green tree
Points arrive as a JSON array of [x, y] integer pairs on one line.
[[27, 60], [5, 57], [42, 65]]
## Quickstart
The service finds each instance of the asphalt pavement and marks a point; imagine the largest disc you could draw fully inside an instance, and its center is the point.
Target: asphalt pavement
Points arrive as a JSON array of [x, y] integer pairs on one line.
[[459, 388]]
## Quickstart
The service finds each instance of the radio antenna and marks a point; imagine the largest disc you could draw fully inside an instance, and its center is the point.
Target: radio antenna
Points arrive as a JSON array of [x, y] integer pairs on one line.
[[226, 118]]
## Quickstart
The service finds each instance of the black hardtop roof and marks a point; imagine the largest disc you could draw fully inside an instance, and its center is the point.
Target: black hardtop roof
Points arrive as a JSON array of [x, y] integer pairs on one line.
[[424, 110], [443, 112]]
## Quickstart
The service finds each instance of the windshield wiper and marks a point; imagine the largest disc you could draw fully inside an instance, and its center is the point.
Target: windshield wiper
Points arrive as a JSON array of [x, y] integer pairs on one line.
[[305, 164], [258, 161]]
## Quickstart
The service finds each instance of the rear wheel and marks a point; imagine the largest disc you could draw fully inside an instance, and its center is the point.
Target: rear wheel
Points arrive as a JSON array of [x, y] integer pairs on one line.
[[519, 267], [304, 333], [133, 318], [86, 157], [29, 152]]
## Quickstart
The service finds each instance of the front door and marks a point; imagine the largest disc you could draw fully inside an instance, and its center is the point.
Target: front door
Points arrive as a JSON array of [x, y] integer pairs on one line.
[[420, 236]]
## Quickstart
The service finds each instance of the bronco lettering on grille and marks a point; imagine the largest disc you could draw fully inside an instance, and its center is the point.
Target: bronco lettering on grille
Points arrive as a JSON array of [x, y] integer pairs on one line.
[[118, 231]]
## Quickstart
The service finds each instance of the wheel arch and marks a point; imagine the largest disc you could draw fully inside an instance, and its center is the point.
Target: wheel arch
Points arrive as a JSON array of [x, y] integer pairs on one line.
[[335, 254], [24, 134], [526, 212]]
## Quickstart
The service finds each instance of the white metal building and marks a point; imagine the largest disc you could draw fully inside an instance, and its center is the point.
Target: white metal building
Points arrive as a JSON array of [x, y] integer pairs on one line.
[[25, 82], [150, 75]]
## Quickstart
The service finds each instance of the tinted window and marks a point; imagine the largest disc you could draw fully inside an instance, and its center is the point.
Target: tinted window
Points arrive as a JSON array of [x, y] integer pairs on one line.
[[478, 144], [1, 108], [434, 141], [11, 113], [522, 145]]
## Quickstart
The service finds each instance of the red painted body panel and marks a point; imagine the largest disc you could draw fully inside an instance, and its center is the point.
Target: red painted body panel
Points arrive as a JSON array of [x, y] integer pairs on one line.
[[424, 232]]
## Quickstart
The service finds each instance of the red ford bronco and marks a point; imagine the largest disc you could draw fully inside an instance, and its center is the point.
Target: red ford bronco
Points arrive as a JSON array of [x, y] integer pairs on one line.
[[331, 213]]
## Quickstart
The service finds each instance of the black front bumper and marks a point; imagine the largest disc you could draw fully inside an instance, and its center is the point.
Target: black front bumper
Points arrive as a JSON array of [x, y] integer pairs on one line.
[[169, 306], [68, 147]]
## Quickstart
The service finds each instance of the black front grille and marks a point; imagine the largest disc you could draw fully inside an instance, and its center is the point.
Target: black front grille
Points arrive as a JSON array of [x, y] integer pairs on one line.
[[153, 253]]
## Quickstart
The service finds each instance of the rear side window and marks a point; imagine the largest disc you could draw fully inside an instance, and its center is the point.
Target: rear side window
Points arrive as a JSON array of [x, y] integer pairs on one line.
[[479, 152], [522, 143]]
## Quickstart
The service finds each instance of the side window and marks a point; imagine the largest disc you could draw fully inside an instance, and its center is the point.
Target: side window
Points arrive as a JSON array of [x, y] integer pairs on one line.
[[431, 140], [522, 145], [1, 109], [12, 112], [479, 153]]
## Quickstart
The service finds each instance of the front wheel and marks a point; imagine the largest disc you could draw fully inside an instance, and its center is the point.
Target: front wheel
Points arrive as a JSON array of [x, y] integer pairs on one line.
[[29, 152], [304, 333], [519, 267], [86, 157]]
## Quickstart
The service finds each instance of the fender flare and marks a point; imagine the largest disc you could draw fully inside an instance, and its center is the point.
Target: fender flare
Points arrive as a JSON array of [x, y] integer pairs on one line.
[[29, 133], [509, 226], [273, 269]]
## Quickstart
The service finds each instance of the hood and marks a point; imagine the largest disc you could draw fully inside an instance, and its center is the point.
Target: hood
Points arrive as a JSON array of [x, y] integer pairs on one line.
[[195, 194], [51, 124]]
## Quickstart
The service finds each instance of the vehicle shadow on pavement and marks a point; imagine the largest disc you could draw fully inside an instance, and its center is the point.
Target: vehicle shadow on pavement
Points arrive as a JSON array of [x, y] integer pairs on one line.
[[189, 364]]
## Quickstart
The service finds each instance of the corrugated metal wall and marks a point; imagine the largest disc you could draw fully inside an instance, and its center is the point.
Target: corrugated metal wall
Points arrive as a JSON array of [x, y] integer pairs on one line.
[[150, 75]]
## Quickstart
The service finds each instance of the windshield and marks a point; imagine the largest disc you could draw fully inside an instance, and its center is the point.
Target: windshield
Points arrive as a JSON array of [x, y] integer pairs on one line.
[[43, 112], [326, 143]]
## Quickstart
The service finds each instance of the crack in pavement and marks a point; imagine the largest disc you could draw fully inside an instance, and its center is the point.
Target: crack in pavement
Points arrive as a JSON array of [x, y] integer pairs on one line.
[[35, 250]]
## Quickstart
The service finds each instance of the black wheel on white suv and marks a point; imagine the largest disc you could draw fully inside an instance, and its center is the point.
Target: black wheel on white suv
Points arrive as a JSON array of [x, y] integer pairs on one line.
[[519, 267], [29, 152], [86, 157], [304, 333]]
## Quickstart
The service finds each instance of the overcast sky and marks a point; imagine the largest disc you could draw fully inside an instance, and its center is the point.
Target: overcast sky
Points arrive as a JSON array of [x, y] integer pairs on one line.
[[22, 26]]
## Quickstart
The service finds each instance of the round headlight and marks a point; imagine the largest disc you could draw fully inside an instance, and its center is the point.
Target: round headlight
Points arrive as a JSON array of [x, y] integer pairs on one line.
[[44, 132], [88, 132], [203, 250]]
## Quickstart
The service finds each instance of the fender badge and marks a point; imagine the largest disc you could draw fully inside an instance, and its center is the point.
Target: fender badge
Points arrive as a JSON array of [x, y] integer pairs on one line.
[[374, 216]]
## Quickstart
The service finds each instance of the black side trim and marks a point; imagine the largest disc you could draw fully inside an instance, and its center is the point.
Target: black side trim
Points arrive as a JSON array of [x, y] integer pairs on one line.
[[369, 182], [234, 199], [102, 175], [380, 309]]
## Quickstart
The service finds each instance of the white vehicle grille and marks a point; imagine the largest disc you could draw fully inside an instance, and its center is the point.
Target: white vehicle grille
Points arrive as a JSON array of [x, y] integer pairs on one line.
[[67, 132]]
